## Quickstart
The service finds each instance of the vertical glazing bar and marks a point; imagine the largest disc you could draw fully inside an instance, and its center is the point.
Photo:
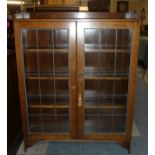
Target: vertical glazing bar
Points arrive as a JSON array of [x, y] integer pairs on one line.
[[99, 89], [114, 74], [85, 95], [68, 74], [27, 105], [55, 113], [38, 65], [130, 48]]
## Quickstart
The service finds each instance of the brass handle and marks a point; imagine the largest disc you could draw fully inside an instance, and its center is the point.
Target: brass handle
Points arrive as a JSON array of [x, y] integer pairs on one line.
[[79, 100]]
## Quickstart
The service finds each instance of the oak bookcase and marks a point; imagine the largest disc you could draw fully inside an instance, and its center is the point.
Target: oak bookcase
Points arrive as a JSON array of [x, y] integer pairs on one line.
[[77, 77]]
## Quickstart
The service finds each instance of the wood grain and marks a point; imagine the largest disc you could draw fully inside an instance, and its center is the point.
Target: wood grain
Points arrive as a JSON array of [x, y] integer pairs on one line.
[[76, 23]]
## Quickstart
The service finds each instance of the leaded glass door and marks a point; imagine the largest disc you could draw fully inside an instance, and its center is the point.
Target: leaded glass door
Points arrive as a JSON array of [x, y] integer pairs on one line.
[[104, 77], [48, 54]]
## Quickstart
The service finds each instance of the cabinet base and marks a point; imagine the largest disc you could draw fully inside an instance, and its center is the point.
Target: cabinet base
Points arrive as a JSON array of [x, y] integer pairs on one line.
[[124, 144]]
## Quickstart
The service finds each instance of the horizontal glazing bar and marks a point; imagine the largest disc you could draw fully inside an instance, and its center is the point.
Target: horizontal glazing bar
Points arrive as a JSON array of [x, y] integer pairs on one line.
[[47, 74], [44, 50], [106, 107], [49, 95], [46, 78]]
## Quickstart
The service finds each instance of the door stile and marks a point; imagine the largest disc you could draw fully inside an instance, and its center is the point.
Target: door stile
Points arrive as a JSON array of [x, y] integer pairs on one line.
[[80, 79], [72, 66]]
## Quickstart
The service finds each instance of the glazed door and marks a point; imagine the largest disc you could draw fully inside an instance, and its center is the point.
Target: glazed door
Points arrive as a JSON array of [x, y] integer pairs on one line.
[[48, 73], [103, 71]]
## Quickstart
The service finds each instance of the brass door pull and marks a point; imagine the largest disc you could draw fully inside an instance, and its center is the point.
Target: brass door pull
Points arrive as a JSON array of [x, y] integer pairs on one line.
[[79, 100]]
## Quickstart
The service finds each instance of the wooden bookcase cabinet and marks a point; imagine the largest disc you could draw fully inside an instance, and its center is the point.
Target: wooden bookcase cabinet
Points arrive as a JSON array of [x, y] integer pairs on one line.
[[59, 2], [77, 78]]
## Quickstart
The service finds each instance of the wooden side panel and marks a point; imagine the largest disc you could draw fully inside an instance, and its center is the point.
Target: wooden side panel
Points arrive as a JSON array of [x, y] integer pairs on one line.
[[14, 125], [21, 83], [133, 73]]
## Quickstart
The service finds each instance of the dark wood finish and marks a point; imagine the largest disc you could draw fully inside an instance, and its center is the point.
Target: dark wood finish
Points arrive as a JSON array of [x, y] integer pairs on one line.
[[76, 15], [92, 38], [127, 145], [14, 127], [45, 8], [99, 5], [80, 79], [133, 63], [72, 65], [72, 77], [21, 84]]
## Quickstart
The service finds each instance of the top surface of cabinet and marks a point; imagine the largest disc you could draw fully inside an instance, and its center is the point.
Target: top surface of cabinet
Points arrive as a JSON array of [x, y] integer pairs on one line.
[[77, 15]]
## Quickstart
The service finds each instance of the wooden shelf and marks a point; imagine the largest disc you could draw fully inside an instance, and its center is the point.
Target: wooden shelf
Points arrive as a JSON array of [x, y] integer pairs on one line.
[[106, 50], [106, 107], [87, 107], [49, 106], [96, 115], [91, 93], [60, 94], [99, 71], [59, 71], [46, 50], [106, 78]]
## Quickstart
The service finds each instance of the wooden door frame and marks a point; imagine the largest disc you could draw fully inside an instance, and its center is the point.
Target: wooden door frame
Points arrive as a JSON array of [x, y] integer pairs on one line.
[[29, 139], [80, 78]]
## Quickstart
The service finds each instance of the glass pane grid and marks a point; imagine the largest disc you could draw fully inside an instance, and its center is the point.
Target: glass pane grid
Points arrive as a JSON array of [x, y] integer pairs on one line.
[[106, 72], [46, 70]]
